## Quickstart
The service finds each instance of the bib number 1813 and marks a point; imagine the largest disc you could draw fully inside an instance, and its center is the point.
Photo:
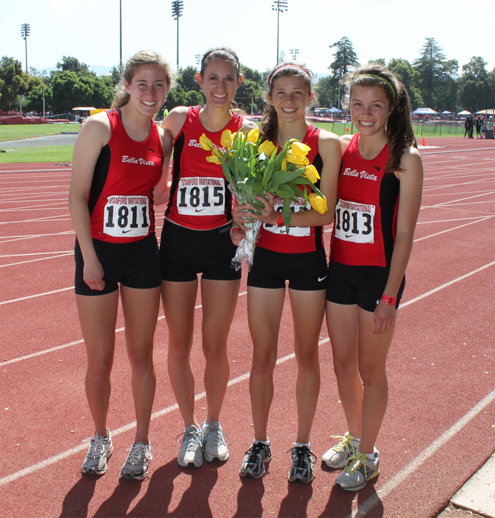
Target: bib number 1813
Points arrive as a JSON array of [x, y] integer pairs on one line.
[[354, 222]]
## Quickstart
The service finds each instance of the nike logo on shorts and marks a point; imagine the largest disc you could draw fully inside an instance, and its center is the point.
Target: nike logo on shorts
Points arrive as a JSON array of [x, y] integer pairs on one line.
[[322, 278]]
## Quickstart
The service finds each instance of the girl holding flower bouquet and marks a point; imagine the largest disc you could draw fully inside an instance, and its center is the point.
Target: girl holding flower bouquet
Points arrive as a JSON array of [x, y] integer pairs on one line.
[[372, 241], [296, 255], [195, 239]]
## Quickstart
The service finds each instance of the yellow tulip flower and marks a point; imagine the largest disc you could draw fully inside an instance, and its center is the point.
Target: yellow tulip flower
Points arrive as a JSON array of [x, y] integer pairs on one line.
[[299, 149], [205, 143], [283, 167], [214, 159], [294, 159], [253, 136], [226, 139], [311, 173], [267, 147], [318, 203]]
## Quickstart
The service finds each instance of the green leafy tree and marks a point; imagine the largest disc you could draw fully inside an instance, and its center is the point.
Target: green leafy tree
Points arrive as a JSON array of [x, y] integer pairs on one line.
[[409, 78], [345, 57], [327, 92], [69, 91], [345, 61], [103, 92], [475, 86], [187, 80], [116, 73], [35, 98], [70, 64], [435, 74], [13, 82]]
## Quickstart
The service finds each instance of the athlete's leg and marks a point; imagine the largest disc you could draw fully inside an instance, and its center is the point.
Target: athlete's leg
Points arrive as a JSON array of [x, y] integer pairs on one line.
[[140, 314], [342, 321], [219, 299], [373, 349], [179, 300], [308, 308], [264, 312], [98, 315]]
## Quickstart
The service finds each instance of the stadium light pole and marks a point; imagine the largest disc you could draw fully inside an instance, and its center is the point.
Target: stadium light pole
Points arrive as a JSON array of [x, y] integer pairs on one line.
[[120, 36], [198, 60], [280, 6], [294, 53], [177, 6], [25, 30]]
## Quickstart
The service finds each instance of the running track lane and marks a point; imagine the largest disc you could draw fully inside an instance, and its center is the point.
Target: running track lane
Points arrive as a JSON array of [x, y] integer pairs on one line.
[[440, 369]]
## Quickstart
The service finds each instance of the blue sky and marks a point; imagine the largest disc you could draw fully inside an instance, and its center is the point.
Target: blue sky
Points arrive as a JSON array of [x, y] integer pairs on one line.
[[89, 30]]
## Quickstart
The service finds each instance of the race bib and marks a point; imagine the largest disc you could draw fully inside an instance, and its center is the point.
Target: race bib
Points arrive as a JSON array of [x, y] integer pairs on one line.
[[126, 216], [201, 196], [354, 222], [295, 206]]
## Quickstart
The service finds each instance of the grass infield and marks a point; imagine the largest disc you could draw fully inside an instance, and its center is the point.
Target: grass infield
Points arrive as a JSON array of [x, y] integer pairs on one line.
[[64, 153], [28, 155], [21, 131]]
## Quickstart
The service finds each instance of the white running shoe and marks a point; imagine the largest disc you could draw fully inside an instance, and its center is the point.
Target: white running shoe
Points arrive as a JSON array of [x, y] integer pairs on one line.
[[358, 470], [100, 449], [214, 445], [191, 450], [337, 456], [138, 460]]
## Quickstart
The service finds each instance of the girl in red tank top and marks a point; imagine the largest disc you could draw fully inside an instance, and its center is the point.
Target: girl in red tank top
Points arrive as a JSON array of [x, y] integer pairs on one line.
[[118, 159], [379, 199], [195, 239], [297, 256]]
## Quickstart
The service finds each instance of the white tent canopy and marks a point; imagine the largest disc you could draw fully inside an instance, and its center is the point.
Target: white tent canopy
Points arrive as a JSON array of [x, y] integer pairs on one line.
[[424, 111], [464, 112]]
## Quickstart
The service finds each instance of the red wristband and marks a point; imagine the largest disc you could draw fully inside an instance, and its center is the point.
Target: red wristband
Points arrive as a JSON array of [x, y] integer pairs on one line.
[[280, 221], [391, 301]]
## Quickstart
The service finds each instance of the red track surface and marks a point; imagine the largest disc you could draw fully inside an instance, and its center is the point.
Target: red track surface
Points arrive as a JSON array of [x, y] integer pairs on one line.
[[440, 425]]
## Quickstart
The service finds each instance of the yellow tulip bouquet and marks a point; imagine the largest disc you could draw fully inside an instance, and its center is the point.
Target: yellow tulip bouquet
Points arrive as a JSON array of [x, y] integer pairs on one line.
[[253, 167]]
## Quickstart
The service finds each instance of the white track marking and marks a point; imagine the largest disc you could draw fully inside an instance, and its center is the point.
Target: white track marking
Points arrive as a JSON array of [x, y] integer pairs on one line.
[[433, 447], [37, 295], [420, 459], [36, 260], [451, 229]]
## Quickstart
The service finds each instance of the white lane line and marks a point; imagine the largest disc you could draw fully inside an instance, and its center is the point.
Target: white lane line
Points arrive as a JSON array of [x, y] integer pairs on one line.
[[451, 202], [64, 346], [375, 499], [451, 229], [37, 295], [42, 170], [36, 260], [47, 462], [126, 428]]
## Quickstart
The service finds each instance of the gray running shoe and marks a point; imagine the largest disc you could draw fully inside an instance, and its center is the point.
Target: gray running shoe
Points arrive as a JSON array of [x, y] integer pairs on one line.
[[337, 456], [253, 465], [214, 445], [100, 449], [136, 465], [302, 465], [191, 450], [358, 471]]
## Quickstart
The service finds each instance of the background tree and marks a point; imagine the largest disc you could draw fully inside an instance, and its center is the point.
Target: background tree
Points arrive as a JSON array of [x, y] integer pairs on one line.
[[409, 78], [327, 92], [345, 57], [70, 64], [13, 82], [435, 73], [345, 61], [475, 88]]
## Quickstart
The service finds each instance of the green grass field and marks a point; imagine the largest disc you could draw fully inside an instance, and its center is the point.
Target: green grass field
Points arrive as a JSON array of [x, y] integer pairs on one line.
[[27, 155], [64, 153], [20, 131]]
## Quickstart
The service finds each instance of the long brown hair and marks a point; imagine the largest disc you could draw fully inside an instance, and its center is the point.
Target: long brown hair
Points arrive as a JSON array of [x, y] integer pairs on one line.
[[400, 132], [144, 57], [269, 120]]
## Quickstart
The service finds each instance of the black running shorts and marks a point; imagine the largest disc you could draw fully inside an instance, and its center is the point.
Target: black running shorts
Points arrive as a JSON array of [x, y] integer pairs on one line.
[[135, 265], [305, 272], [185, 253], [361, 285]]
